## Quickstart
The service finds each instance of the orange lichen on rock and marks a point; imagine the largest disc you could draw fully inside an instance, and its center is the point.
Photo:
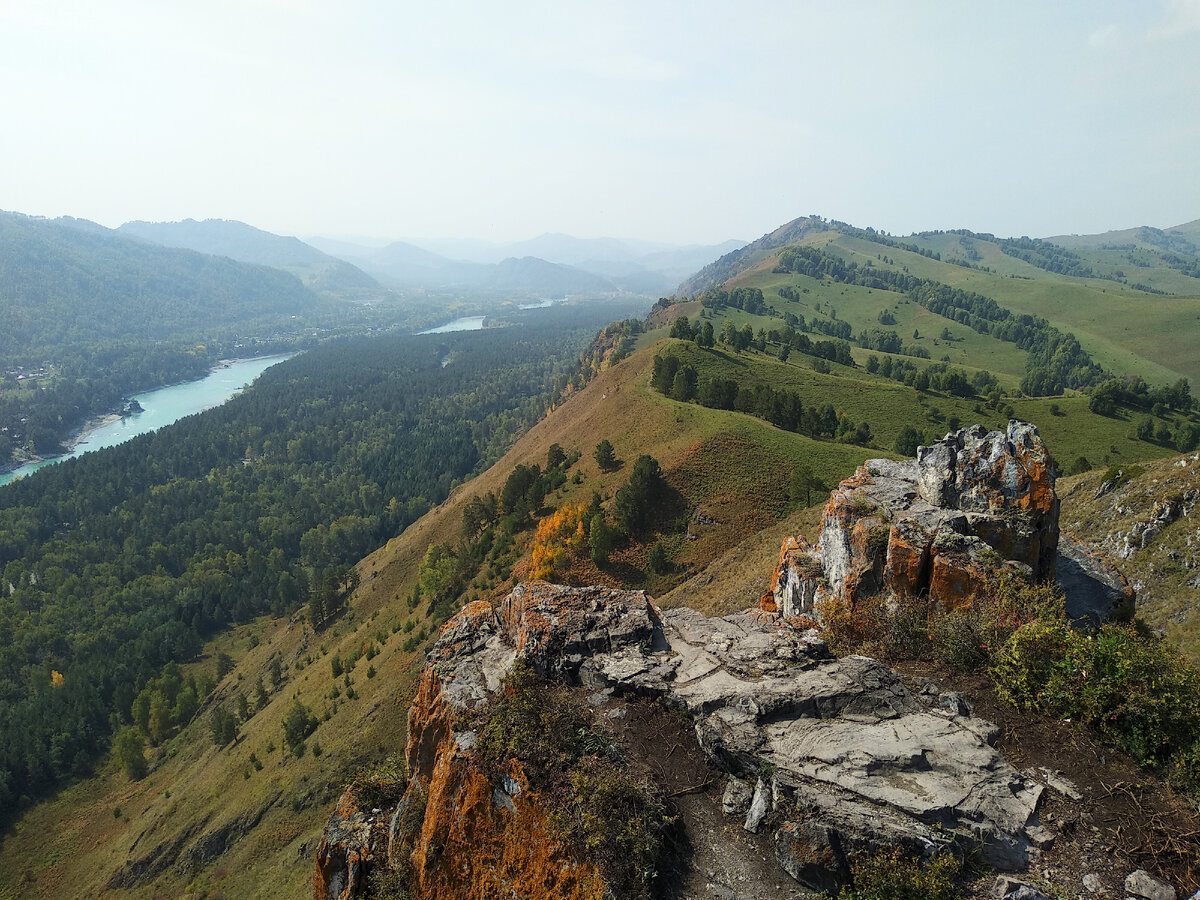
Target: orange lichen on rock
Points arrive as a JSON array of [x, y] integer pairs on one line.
[[955, 580], [456, 832], [906, 572], [344, 851], [477, 840], [970, 504]]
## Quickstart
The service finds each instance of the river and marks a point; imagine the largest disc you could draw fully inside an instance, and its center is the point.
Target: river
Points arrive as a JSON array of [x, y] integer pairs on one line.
[[160, 408], [466, 323]]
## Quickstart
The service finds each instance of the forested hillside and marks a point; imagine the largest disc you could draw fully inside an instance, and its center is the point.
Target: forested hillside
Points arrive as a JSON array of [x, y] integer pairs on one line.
[[91, 317], [66, 286], [123, 561], [237, 240]]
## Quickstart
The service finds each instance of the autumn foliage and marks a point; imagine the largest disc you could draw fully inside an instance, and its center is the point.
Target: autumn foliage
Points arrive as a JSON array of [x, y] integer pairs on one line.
[[559, 536]]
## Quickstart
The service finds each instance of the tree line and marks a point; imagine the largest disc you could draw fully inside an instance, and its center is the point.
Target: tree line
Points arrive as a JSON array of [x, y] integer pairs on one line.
[[1055, 359]]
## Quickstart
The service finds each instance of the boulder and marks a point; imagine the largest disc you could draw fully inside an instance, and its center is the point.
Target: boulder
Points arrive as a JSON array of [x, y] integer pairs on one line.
[[1144, 886], [1095, 591], [345, 850]]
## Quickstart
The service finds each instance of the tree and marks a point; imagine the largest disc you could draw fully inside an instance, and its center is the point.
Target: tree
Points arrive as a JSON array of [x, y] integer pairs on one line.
[[633, 505], [663, 374], [129, 748], [298, 724], [706, 338], [658, 559], [600, 539], [555, 457], [606, 458], [681, 328], [683, 388], [222, 726], [803, 483]]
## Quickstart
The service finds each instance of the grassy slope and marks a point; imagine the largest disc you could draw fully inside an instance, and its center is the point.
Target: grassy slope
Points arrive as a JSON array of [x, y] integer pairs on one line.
[[1125, 330], [1162, 571]]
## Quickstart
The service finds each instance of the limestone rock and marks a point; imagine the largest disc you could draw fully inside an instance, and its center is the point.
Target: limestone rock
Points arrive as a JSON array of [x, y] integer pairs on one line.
[[344, 851], [1012, 889], [974, 504], [1143, 885], [1095, 591]]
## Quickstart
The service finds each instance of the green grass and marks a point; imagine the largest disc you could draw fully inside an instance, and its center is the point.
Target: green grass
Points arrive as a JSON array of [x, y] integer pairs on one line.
[[1126, 331]]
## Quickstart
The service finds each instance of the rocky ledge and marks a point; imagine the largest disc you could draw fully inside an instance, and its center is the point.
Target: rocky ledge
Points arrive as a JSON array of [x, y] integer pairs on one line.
[[833, 756]]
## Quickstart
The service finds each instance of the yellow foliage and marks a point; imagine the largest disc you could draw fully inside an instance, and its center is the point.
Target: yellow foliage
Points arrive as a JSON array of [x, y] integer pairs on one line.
[[56, 678], [559, 535]]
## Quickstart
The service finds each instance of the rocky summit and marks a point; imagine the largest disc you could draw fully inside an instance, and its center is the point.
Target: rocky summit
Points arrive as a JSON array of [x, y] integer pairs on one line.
[[831, 757], [973, 505]]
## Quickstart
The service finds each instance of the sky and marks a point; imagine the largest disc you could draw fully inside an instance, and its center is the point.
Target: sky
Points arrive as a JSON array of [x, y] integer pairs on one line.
[[683, 122]]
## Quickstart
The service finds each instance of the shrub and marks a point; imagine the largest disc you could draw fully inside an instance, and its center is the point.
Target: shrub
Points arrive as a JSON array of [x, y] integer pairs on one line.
[[1128, 686], [1185, 771], [896, 878], [920, 628], [618, 822]]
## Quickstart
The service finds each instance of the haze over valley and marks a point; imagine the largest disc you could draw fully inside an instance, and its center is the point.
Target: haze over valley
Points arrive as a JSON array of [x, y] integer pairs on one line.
[[637, 452]]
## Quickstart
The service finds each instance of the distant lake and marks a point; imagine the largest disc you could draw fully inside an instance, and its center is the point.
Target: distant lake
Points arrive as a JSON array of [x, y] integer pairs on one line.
[[467, 323], [163, 406]]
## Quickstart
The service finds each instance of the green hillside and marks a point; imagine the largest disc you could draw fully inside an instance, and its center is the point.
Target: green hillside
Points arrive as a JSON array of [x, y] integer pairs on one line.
[[319, 271], [1138, 319], [63, 286]]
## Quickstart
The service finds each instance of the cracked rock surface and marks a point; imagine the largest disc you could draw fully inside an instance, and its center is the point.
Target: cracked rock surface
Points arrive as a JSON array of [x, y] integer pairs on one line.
[[834, 757]]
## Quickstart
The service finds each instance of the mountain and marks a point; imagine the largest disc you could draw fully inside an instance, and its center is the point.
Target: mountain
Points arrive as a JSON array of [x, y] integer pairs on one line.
[[236, 240], [738, 259], [72, 283], [405, 264], [1180, 239], [831, 346], [641, 267]]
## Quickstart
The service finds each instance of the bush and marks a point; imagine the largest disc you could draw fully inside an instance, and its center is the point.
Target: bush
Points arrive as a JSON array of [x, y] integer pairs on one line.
[[920, 628], [618, 822], [1128, 686], [896, 878]]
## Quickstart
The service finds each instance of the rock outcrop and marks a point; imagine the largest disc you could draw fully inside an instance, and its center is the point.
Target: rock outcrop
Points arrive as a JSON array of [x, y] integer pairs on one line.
[[974, 504], [833, 756]]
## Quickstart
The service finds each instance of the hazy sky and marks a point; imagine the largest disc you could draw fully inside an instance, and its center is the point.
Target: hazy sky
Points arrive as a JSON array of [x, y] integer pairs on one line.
[[678, 121]]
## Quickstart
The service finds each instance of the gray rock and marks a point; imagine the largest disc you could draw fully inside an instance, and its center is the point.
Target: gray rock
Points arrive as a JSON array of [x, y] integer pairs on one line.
[[1095, 591], [759, 807], [1010, 889], [1094, 883], [955, 703], [970, 505], [858, 763], [1145, 886], [736, 798]]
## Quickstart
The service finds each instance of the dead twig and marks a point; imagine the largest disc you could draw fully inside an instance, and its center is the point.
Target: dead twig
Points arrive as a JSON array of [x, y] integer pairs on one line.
[[691, 790]]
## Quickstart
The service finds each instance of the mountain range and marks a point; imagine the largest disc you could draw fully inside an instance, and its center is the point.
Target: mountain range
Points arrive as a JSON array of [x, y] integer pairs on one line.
[[547, 263]]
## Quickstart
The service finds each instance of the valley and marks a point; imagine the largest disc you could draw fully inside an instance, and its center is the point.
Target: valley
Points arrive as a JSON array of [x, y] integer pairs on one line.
[[283, 562]]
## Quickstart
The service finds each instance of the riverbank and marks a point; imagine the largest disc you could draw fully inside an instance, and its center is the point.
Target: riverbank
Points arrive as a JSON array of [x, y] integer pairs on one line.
[[161, 407]]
